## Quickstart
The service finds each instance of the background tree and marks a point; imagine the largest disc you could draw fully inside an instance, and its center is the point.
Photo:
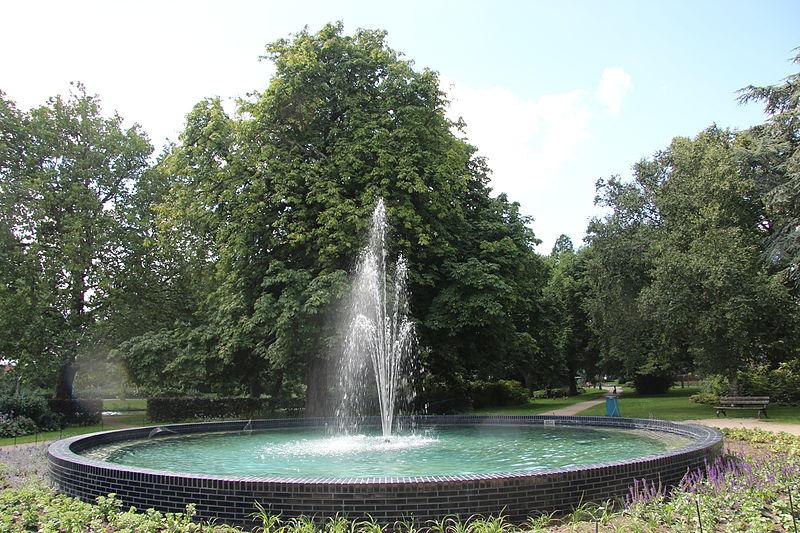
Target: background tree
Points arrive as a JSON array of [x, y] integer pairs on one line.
[[691, 225], [276, 203], [565, 295], [65, 194], [775, 161]]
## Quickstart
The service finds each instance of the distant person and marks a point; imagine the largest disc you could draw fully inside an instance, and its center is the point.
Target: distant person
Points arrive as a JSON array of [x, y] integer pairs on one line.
[[615, 390]]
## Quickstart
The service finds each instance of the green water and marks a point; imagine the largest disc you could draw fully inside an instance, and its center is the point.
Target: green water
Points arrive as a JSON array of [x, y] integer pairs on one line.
[[310, 452]]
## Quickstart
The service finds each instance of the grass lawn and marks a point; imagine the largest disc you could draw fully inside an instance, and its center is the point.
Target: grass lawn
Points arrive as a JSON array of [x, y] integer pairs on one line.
[[542, 405], [675, 405], [134, 404], [133, 419]]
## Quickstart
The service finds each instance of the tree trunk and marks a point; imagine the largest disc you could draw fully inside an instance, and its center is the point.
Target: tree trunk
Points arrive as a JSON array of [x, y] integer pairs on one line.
[[573, 387], [256, 387], [275, 389], [734, 383], [529, 379], [66, 378], [318, 399]]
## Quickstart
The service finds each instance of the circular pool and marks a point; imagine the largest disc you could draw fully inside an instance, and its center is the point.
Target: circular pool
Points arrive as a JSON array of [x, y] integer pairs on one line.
[[442, 465]]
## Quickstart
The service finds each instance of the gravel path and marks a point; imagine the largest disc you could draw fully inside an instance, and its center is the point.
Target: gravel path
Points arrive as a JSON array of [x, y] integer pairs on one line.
[[574, 409]]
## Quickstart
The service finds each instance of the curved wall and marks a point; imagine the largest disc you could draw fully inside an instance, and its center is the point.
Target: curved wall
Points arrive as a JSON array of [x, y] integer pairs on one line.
[[517, 495]]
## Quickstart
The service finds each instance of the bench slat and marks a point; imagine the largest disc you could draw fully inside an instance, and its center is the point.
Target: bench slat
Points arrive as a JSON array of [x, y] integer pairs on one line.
[[742, 398]]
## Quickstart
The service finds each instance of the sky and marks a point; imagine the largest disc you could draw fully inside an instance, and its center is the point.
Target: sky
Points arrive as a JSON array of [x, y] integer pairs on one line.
[[555, 94]]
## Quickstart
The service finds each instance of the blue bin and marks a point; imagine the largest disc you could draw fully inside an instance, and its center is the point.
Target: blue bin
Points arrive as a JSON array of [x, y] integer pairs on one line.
[[612, 406]]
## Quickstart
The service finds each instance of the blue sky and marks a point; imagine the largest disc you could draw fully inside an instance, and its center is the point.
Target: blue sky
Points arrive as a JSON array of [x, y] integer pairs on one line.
[[555, 94]]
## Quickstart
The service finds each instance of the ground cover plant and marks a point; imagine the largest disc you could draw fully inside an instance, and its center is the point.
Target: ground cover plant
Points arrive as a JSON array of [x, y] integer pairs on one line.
[[745, 490]]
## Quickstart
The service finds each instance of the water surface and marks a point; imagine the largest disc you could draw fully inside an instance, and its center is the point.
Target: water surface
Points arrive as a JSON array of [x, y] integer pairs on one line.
[[443, 450]]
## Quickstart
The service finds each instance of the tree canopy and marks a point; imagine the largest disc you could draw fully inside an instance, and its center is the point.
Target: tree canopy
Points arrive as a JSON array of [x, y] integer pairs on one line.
[[220, 265]]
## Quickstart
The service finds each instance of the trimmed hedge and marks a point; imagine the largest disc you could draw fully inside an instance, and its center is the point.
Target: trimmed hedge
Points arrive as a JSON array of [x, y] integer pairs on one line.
[[77, 411], [653, 383], [177, 409], [498, 393]]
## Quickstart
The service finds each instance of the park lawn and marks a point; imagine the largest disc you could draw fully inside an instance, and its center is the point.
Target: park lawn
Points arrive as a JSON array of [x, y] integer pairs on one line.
[[676, 405], [542, 405], [133, 419], [133, 404]]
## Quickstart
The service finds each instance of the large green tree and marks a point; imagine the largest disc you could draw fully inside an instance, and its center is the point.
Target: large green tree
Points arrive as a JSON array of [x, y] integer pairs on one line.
[[68, 173], [775, 161], [677, 265], [276, 203], [566, 294]]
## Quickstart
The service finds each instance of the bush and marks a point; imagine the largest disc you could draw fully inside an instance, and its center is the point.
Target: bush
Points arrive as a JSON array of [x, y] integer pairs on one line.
[[498, 393], [80, 412], [34, 408], [177, 409], [16, 426], [706, 398], [652, 383], [781, 384], [437, 396], [716, 385]]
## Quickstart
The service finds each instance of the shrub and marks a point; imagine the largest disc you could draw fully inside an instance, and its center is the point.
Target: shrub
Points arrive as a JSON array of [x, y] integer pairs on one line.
[[716, 385], [704, 398], [781, 384], [443, 397], [81, 412], [657, 383], [498, 393], [16, 426], [34, 408], [176, 409]]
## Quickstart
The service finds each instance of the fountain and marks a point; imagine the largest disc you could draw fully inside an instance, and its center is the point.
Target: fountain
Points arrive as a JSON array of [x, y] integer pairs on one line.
[[448, 465], [379, 334]]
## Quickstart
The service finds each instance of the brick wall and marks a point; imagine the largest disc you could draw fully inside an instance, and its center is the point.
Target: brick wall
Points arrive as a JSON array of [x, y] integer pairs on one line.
[[517, 495]]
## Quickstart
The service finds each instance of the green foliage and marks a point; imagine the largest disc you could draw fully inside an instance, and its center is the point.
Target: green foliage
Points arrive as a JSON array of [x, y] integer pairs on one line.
[[498, 393], [781, 384], [775, 151], [67, 175], [16, 426], [716, 384], [187, 408], [569, 344], [35, 508], [34, 408], [705, 398], [779, 442], [74, 411], [713, 386], [273, 205], [653, 383], [677, 271]]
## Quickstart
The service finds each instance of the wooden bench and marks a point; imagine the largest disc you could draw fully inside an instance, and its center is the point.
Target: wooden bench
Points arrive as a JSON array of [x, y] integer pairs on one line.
[[758, 403]]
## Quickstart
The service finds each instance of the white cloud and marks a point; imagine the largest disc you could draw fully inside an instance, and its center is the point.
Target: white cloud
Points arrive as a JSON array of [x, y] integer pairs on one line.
[[533, 146], [615, 83], [525, 141]]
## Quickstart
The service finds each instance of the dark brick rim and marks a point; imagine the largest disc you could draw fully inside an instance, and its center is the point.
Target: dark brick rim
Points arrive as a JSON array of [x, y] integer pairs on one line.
[[68, 450], [230, 498]]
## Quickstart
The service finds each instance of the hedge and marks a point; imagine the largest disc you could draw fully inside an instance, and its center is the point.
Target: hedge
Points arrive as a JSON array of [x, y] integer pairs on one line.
[[499, 393], [77, 411], [177, 409]]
